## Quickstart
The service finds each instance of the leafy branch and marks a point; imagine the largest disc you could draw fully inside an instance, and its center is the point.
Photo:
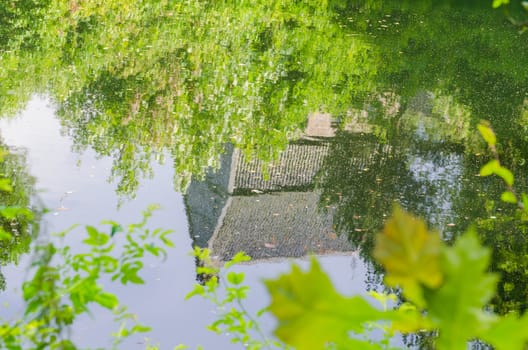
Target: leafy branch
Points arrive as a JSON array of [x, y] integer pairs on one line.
[[234, 318], [65, 284]]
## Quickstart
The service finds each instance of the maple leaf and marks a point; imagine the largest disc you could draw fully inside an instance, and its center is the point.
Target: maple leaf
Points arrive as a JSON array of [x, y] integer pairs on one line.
[[312, 314], [510, 332], [410, 255], [457, 307]]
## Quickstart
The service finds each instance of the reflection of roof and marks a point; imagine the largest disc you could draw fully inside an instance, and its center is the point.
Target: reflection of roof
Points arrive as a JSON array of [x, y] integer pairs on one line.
[[282, 224], [286, 221], [296, 167]]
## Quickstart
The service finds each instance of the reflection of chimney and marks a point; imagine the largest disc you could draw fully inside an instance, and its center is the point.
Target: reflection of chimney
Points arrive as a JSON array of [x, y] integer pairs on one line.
[[319, 125]]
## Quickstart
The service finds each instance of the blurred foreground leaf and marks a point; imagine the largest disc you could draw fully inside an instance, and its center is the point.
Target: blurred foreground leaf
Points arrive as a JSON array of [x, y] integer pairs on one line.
[[312, 314], [457, 307], [409, 254]]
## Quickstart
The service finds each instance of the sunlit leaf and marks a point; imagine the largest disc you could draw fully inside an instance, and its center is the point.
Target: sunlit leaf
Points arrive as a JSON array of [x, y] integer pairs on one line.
[[456, 308], [5, 236], [5, 185], [235, 278], [140, 329], [508, 333], [410, 255], [508, 197], [505, 174], [490, 168], [485, 130], [106, 300], [238, 258], [311, 313]]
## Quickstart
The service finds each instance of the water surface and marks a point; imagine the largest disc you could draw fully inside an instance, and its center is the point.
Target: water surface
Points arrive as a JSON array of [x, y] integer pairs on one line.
[[282, 130]]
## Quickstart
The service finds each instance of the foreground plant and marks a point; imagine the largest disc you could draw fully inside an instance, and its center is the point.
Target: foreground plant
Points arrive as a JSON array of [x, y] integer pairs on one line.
[[66, 284], [446, 291], [225, 290]]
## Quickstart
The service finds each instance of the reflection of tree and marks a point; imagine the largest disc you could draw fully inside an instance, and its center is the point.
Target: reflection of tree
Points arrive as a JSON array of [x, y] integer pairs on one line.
[[500, 228], [133, 82], [507, 236], [363, 178], [462, 50], [476, 63], [21, 226]]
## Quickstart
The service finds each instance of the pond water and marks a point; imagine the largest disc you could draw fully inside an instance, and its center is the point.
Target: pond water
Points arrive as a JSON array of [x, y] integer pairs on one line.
[[280, 130]]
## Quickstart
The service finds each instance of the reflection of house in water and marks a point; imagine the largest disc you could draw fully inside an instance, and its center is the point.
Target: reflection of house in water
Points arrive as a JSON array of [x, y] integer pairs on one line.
[[239, 208]]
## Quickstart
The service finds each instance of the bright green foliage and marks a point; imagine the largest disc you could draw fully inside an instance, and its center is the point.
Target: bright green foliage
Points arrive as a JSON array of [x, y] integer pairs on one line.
[[312, 314], [494, 167], [487, 134], [233, 317], [17, 221], [451, 283], [136, 81], [499, 3], [65, 284], [510, 332], [457, 307], [410, 255]]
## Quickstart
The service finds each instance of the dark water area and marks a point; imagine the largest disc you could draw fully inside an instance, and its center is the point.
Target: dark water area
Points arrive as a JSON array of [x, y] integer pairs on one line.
[[279, 129]]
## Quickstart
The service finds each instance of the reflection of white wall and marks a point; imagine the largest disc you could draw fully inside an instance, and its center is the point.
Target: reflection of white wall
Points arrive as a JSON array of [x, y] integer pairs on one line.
[[319, 125]]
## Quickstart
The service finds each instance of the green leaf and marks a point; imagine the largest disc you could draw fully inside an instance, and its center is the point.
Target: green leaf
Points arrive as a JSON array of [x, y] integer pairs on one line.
[[409, 254], [197, 290], [238, 258], [494, 167], [485, 130], [311, 313], [235, 278], [115, 229], [505, 174], [508, 333], [106, 300], [456, 308], [151, 248], [140, 329], [524, 199], [508, 197], [499, 3], [490, 168], [5, 185], [13, 212], [4, 235], [95, 238]]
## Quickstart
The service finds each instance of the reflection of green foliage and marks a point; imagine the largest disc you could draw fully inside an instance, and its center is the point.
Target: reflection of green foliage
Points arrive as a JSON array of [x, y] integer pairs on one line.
[[360, 166], [507, 235], [463, 50], [153, 78], [16, 219], [65, 284], [139, 81]]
